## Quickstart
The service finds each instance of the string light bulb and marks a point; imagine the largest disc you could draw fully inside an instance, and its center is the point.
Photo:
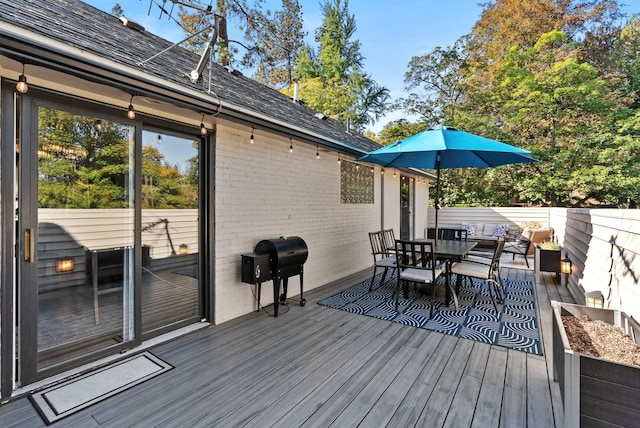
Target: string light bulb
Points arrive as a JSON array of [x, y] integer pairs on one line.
[[252, 139], [97, 125], [339, 160], [159, 139], [382, 172], [290, 146], [203, 129], [131, 113], [317, 153], [22, 85]]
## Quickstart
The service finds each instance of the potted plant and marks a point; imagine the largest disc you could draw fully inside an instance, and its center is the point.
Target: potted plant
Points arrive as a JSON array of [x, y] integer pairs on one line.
[[547, 257], [595, 390]]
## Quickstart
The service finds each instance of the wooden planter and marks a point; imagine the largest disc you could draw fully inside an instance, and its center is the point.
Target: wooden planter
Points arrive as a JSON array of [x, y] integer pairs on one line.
[[595, 392]]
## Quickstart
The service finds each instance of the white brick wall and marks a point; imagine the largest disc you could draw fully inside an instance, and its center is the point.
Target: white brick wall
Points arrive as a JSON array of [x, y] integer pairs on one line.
[[263, 191]]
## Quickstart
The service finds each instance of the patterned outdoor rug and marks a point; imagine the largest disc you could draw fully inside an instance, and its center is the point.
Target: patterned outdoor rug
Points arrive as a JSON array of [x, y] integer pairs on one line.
[[514, 326]]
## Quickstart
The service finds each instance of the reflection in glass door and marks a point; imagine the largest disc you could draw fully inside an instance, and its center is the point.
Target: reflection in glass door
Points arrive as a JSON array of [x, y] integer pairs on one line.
[[77, 217], [170, 232]]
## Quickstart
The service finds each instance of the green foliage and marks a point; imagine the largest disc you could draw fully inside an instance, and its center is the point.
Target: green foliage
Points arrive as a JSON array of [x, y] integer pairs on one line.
[[336, 70], [81, 167], [281, 42]]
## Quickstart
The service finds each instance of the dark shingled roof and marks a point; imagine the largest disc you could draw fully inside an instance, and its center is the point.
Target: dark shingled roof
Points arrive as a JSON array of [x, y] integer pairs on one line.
[[82, 26]]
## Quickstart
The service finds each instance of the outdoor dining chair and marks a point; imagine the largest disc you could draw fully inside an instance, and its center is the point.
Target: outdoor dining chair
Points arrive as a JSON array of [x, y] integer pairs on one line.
[[447, 233], [416, 264], [488, 272], [382, 257]]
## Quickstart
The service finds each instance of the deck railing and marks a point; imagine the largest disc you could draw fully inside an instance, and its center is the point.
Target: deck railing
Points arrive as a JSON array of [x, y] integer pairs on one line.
[[602, 244]]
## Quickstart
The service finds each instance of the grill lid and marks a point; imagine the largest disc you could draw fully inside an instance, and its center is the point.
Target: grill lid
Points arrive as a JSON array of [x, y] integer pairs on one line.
[[284, 252]]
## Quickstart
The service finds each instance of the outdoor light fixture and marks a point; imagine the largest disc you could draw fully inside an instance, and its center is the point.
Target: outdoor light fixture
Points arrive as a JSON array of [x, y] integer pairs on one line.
[[252, 139], [203, 129], [382, 172], [290, 146], [183, 250], [317, 153], [339, 160], [131, 114], [565, 265], [64, 264], [22, 85], [159, 139], [594, 299], [97, 125]]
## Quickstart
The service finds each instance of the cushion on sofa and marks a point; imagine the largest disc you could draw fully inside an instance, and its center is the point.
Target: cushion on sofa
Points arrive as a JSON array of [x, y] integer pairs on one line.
[[501, 230], [470, 228]]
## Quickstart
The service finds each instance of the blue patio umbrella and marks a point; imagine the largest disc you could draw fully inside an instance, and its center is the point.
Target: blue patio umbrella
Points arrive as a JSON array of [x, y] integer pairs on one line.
[[446, 147]]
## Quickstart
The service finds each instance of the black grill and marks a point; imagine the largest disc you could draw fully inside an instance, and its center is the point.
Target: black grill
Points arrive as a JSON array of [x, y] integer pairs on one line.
[[286, 257]]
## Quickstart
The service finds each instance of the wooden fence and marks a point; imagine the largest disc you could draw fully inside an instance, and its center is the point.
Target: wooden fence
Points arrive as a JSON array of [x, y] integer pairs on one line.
[[603, 245]]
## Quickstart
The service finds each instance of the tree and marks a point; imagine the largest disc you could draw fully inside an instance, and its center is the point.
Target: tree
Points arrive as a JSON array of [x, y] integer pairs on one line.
[[337, 67], [626, 60], [281, 41], [117, 11], [436, 82], [197, 16]]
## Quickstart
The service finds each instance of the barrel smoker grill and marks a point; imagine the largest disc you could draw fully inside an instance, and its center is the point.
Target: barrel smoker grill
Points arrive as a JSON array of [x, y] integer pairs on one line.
[[285, 256]]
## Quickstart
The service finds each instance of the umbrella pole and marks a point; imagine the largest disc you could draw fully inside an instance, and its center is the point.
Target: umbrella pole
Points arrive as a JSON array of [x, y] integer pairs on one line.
[[437, 199]]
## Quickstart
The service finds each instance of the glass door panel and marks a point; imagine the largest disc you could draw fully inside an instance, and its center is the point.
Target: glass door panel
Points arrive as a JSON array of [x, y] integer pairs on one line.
[[84, 246], [170, 232]]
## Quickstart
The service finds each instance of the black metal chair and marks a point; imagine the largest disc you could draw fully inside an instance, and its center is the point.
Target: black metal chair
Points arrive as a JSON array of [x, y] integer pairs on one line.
[[521, 247], [489, 272], [382, 258], [416, 263], [448, 233]]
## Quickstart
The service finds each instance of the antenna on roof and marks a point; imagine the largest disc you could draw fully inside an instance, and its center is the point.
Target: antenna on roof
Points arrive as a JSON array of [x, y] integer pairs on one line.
[[207, 10]]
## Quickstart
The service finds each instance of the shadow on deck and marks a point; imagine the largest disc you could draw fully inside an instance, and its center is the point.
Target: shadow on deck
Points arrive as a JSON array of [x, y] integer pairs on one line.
[[315, 366]]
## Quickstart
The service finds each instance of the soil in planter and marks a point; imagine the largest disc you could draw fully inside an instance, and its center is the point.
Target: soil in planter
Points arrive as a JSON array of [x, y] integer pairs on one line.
[[600, 339]]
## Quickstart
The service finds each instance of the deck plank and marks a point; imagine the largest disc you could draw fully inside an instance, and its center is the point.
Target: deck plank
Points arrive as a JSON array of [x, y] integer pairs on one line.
[[316, 366], [487, 410]]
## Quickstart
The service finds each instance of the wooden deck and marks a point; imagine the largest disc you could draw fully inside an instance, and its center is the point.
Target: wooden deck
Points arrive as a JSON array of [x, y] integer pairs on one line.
[[318, 367]]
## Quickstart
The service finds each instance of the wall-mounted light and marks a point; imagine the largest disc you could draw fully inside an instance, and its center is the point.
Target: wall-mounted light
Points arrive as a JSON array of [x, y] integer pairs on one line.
[[22, 85], [131, 113], [394, 173], [594, 299], [183, 249], [290, 146], [382, 172], [252, 138], [565, 265], [159, 139], [64, 264], [317, 153], [339, 159], [203, 129], [97, 125]]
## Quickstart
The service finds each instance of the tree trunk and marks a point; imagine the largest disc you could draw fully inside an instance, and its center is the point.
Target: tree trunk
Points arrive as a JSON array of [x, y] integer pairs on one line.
[[223, 37]]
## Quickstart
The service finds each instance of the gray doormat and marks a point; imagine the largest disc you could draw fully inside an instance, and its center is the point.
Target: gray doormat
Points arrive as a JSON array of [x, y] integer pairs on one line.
[[64, 399]]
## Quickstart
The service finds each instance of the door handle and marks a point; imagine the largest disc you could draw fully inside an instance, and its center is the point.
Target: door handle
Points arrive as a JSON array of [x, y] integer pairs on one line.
[[29, 246]]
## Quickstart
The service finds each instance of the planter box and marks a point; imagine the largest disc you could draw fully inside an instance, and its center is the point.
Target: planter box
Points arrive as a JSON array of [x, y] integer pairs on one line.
[[595, 392], [547, 261]]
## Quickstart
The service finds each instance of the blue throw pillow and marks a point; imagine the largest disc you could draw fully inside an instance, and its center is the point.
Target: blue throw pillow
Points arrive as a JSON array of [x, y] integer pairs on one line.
[[470, 228], [501, 230]]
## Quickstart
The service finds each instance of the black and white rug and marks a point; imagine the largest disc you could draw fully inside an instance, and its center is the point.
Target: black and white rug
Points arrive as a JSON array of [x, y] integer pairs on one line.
[[514, 325], [62, 400]]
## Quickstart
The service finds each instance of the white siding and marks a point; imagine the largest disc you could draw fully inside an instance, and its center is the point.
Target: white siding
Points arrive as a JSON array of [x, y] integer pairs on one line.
[[263, 191], [603, 245]]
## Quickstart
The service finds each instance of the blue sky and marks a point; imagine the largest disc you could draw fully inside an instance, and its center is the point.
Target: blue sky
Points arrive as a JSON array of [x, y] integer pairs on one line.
[[390, 32]]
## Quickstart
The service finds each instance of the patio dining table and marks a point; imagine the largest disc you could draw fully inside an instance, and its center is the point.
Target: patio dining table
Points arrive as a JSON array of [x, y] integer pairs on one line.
[[451, 251]]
